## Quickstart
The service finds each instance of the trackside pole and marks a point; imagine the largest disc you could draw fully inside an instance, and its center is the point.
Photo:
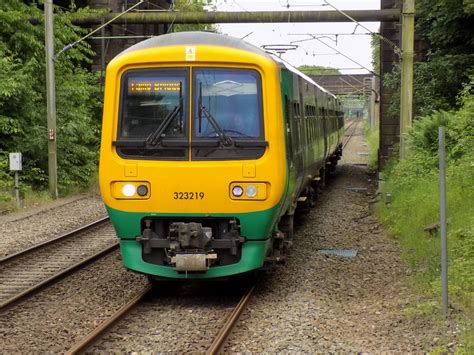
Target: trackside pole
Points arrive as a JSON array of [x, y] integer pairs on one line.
[[442, 220], [51, 99], [406, 89], [16, 166]]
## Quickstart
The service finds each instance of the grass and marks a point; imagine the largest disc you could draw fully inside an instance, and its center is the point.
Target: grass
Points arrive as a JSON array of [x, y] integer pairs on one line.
[[415, 205], [372, 135], [28, 198], [31, 198]]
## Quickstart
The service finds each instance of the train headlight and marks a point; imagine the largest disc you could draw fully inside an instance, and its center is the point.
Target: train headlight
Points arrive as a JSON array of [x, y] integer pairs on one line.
[[130, 190], [251, 191], [237, 191]]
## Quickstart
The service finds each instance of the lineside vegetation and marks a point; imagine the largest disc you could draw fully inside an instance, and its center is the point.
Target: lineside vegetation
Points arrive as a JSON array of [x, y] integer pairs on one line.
[[23, 101], [78, 96], [443, 95], [413, 185]]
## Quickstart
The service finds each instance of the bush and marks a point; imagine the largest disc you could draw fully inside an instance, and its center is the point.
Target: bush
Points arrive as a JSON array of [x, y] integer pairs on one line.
[[413, 184], [23, 99]]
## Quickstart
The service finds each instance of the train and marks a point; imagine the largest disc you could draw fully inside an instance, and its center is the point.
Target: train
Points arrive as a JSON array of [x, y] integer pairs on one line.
[[209, 147]]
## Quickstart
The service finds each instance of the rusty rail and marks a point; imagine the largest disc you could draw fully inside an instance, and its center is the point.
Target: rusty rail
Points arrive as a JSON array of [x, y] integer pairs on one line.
[[84, 343], [38, 281], [229, 324]]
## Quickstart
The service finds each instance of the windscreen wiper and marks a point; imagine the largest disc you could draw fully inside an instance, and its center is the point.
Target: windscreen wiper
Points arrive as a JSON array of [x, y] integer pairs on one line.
[[225, 139], [155, 137]]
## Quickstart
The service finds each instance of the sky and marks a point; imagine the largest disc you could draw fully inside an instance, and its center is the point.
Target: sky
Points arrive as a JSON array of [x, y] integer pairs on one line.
[[311, 52]]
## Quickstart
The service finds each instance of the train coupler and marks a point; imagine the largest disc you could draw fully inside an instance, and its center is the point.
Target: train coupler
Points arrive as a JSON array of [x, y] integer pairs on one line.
[[193, 262], [190, 246]]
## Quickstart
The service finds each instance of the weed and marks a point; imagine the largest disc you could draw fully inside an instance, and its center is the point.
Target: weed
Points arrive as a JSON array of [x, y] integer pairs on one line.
[[413, 185]]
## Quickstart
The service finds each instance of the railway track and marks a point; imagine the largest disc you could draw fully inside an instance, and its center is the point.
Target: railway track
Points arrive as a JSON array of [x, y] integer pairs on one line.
[[29, 214], [354, 123], [25, 272], [215, 347], [218, 343]]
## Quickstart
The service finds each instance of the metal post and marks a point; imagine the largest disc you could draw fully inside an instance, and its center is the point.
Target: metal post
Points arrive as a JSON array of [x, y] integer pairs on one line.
[[17, 190], [442, 220], [102, 57], [406, 90], [51, 99]]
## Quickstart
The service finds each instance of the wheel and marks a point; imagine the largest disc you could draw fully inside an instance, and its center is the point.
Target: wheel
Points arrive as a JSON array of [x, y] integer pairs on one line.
[[313, 197], [322, 182], [286, 226]]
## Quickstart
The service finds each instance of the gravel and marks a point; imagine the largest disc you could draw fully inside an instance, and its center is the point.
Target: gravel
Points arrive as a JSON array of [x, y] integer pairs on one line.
[[24, 229], [53, 320], [326, 303], [185, 319], [313, 303]]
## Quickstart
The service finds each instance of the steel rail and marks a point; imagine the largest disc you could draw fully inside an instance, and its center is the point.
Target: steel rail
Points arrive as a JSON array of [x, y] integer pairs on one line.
[[84, 343], [19, 297], [355, 124], [32, 213], [231, 321], [51, 241], [56, 277]]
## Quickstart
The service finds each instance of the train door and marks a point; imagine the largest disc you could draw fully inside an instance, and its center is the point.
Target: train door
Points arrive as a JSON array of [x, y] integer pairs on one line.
[[319, 141], [304, 124], [288, 134], [297, 120], [329, 126], [324, 124]]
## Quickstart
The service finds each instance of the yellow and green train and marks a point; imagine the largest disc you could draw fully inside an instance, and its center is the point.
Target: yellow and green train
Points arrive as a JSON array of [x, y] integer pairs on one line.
[[209, 147]]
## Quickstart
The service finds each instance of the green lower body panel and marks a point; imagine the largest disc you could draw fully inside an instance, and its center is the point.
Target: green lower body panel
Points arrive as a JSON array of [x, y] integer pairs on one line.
[[252, 258], [254, 225]]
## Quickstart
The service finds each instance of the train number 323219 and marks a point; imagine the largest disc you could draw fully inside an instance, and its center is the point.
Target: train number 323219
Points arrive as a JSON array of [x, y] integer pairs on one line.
[[188, 195]]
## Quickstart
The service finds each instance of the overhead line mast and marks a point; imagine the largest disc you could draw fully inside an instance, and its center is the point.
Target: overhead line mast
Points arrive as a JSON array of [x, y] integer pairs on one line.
[[51, 99], [177, 17]]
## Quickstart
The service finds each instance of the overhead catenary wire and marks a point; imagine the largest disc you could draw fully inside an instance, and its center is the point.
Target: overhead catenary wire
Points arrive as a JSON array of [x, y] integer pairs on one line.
[[71, 45], [241, 7], [313, 37], [354, 87], [397, 50], [345, 56], [172, 8]]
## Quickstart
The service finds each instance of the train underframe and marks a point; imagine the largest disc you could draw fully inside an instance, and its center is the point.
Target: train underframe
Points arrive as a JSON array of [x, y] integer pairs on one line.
[[307, 199]]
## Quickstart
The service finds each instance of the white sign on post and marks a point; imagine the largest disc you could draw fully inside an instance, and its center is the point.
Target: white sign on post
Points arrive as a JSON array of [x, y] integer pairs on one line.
[[15, 162]]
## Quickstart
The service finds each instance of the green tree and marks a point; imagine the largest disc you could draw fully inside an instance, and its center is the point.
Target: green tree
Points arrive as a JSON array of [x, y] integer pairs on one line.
[[375, 44], [447, 28], [446, 25], [317, 70], [192, 6], [23, 98]]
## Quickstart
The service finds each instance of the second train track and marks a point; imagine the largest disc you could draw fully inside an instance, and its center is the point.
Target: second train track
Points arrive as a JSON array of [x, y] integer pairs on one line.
[[25, 272]]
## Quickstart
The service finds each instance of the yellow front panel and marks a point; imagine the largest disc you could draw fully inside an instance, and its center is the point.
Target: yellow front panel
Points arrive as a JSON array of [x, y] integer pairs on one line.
[[194, 186]]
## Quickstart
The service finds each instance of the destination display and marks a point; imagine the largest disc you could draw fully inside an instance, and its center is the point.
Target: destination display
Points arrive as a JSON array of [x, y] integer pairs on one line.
[[152, 86]]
